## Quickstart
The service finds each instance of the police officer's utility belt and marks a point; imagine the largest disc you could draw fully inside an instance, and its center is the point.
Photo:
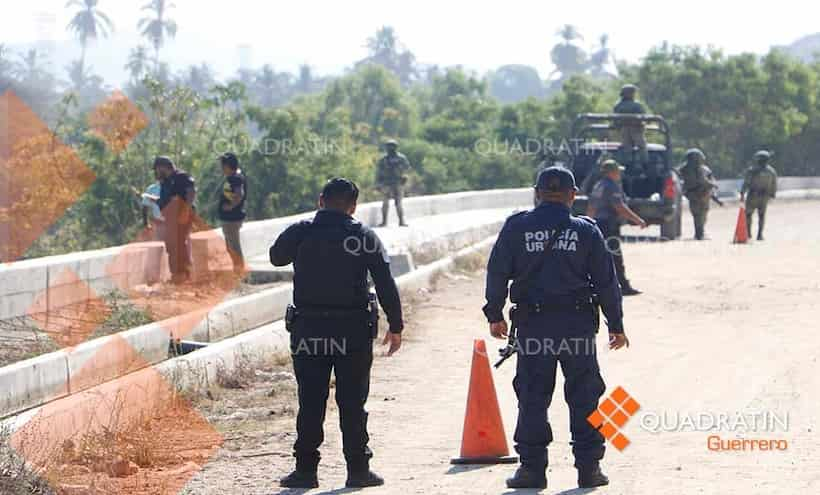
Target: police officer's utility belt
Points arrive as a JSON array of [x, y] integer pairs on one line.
[[561, 305], [329, 313], [588, 304], [371, 313]]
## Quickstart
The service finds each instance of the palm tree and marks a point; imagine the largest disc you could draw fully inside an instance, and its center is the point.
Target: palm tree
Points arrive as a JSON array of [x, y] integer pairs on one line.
[[568, 58], [159, 27], [78, 75], [383, 46], [28, 69], [569, 33], [599, 60], [137, 64], [271, 88], [88, 24], [305, 81]]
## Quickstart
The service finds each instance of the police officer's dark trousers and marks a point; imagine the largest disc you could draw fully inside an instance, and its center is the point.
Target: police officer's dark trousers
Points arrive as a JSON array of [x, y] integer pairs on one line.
[[545, 340], [320, 345], [611, 229]]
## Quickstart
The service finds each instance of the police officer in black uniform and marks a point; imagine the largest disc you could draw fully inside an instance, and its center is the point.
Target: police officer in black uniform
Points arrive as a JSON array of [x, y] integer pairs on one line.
[[332, 327], [553, 283]]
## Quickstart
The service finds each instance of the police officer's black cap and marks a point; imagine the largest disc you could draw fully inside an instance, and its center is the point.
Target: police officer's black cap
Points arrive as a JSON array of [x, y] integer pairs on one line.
[[163, 161], [230, 159], [556, 179], [341, 189]]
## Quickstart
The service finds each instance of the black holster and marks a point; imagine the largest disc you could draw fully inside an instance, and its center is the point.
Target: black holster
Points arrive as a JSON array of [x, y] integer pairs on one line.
[[290, 317], [596, 312], [373, 317]]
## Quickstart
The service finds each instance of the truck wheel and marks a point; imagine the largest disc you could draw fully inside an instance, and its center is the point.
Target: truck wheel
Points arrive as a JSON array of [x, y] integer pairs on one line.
[[671, 230]]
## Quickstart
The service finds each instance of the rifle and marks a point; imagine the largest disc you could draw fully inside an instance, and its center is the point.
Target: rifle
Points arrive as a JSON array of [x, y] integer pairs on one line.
[[511, 348], [716, 199]]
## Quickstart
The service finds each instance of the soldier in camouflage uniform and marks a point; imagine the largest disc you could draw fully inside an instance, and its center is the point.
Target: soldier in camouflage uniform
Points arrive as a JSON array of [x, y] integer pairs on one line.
[[391, 178], [698, 184], [759, 185], [632, 133]]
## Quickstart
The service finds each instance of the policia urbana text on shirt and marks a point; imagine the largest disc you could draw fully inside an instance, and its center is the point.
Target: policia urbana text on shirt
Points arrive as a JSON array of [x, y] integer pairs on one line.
[[332, 325], [553, 281]]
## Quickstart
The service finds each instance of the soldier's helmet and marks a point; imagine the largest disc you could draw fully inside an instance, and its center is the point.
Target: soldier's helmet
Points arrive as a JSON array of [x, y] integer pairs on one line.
[[628, 90], [391, 142], [762, 156], [610, 165], [695, 152]]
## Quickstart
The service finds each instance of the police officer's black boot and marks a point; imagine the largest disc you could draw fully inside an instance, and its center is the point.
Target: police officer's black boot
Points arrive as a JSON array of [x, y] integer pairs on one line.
[[591, 476], [628, 290], [699, 232], [528, 477], [363, 478], [304, 476], [300, 479]]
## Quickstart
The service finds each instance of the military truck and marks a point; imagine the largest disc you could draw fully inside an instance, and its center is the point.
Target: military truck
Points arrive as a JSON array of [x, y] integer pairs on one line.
[[652, 186]]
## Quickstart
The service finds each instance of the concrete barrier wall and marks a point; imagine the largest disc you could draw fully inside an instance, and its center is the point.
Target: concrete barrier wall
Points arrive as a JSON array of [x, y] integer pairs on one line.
[[257, 237], [732, 186], [48, 283]]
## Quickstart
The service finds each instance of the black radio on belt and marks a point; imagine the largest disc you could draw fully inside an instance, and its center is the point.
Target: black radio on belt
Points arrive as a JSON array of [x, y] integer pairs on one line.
[[373, 317]]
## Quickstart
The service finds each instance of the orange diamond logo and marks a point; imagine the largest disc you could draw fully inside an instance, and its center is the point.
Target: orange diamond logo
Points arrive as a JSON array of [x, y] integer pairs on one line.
[[613, 414], [117, 121], [132, 435], [40, 177]]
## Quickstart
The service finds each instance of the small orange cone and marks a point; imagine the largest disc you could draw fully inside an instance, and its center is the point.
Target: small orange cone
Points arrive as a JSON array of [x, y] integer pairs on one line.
[[483, 440], [741, 229]]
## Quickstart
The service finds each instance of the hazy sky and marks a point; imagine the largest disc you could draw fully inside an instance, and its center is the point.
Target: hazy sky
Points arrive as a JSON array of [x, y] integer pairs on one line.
[[329, 35]]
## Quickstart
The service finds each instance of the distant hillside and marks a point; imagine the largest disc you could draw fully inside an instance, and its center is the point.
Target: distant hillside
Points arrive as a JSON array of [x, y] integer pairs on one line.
[[806, 48]]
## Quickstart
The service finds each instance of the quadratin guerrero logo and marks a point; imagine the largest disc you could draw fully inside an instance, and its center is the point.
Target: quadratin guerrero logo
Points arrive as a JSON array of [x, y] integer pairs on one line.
[[612, 415]]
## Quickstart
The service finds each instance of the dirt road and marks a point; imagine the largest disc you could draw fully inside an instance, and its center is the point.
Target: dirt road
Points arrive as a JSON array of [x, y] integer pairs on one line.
[[721, 329]]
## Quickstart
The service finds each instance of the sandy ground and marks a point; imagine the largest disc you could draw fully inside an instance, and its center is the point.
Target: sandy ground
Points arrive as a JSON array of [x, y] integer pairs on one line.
[[721, 329]]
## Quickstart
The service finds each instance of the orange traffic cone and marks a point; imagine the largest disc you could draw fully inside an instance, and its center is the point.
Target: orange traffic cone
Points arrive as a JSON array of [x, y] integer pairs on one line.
[[483, 440], [741, 229]]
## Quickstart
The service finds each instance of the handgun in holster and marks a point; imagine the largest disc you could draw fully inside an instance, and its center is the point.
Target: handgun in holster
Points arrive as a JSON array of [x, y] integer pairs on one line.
[[373, 317], [290, 317], [596, 312]]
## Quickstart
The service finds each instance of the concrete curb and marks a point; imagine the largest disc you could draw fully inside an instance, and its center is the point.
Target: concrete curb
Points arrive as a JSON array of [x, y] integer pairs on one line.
[[35, 381]]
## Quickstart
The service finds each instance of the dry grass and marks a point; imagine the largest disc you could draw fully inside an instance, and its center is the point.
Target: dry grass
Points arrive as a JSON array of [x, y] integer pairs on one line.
[[240, 376], [471, 263], [17, 477]]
